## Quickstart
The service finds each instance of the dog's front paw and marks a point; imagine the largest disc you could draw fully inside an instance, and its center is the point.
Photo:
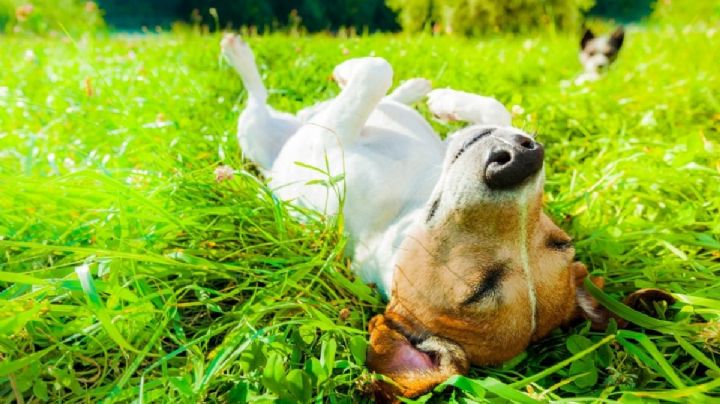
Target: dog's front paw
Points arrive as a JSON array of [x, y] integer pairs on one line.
[[412, 90], [443, 103]]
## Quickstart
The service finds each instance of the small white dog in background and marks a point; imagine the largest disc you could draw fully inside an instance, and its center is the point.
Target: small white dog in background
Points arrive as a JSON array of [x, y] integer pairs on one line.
[[597, 53], [390, 158]]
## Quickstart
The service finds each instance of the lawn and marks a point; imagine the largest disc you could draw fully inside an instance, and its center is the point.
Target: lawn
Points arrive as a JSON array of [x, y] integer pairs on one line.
[[127, 272]]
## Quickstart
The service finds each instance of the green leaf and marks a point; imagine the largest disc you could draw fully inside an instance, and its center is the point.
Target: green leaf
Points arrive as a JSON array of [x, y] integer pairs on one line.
[[182, 386], [299, 385], [515, 361], [11, 277], [655, 360], [587, 369], [273, 377], [603, 356], [464, 384], [685, 392], [562, 364], [577, 343], [478, 387], [96, 304], [307, 333], [310, 167], [239, 392], [316, 371], [40, 389], [358, 349], [327, 354], [695, 353], [13, 324], [7, 367]]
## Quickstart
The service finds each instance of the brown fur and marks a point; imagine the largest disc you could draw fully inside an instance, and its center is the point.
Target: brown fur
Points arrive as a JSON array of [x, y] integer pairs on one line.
[[438, 269], [385, 340]]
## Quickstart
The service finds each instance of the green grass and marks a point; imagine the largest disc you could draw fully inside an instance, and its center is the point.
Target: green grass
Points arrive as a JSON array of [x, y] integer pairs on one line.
[[128, 273]]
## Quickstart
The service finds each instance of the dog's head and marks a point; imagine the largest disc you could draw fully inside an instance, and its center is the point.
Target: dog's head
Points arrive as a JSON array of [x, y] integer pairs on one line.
[[597, 53], [484, 273]]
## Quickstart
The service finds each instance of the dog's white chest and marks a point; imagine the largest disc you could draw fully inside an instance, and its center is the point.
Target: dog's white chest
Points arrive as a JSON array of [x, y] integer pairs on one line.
[[380, 180]]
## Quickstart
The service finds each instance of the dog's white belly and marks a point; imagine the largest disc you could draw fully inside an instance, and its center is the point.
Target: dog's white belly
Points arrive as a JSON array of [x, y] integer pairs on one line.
[[306, 169], [389, 173]]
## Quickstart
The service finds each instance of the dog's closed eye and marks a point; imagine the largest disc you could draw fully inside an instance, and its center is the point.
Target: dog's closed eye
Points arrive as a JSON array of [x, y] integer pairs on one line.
[[433, 209], [488, 285], [471, 142], [559, 244]]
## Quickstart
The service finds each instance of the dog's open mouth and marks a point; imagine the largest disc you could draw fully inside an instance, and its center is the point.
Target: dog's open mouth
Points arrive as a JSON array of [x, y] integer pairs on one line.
[[409, 357]]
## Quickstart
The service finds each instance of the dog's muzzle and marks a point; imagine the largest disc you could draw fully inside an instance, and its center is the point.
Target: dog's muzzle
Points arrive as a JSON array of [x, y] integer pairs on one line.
[[512, 162]]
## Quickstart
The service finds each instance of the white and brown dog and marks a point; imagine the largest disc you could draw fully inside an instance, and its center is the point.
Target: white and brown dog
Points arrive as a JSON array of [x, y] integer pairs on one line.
[[597, 53], [452, 232]]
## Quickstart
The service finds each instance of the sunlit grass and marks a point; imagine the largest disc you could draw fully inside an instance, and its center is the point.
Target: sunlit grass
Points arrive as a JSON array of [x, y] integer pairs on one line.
[[129, 273]]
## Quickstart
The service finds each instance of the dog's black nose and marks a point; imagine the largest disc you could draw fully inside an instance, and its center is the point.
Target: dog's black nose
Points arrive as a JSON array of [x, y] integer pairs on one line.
[[512, 163]]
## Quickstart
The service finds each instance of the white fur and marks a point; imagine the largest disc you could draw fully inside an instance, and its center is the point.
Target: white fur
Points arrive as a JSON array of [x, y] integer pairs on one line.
[[370, 154], [597, 54]]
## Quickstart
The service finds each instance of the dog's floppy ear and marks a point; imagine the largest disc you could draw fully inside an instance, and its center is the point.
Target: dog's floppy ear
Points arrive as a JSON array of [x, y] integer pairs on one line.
[[617, 38], [415, 367], [587, 36], [644, 299], [588, 307]]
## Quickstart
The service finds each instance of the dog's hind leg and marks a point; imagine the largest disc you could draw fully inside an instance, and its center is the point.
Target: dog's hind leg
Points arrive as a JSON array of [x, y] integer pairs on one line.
[[452, 105], [310, 169], [365, 82], [410, 91], [262, 131]]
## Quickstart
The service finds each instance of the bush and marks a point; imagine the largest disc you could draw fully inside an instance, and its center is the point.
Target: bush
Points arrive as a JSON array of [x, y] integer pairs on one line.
[[313, 15], [49, 16], [686, 11], [626, 11], [471, 17], [264, 15]]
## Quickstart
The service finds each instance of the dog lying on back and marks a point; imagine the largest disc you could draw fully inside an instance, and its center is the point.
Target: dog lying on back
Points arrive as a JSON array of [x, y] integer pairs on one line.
[[452, 231], [597, 53]]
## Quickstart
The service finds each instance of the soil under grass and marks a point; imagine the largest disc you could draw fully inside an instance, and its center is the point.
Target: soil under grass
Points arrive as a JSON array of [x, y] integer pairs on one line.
[[127, 272]]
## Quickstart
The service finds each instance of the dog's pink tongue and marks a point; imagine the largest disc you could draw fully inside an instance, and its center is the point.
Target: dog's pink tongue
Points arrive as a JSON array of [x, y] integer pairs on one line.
[[407, 357]]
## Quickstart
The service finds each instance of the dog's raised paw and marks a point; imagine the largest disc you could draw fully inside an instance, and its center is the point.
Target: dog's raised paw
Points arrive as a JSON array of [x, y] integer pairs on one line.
[[412, 90], [443, 104], [236, 50], [345, 70], [369, 69]]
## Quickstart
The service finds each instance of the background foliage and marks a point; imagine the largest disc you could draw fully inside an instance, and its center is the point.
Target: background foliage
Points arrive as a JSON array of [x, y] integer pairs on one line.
[[463, 17], [472, 17], [313, 15], [684, 12], [49, 17]]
